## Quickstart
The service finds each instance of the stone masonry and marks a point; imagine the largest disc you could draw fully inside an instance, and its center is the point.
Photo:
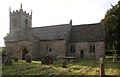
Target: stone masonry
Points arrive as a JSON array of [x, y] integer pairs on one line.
[[80, 41]]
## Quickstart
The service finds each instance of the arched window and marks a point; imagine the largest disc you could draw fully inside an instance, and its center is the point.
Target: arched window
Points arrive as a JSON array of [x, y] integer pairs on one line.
[[90, 48], [72, 49], [93, 48], [50, 49]]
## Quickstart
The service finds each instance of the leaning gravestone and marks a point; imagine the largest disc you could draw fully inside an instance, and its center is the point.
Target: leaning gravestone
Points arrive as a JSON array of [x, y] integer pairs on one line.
[[8, 60], [3, 57], [28, 57]]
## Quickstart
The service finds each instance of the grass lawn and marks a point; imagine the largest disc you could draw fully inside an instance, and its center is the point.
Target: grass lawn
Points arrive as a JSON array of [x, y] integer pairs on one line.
[[79, 67], [111, 57]]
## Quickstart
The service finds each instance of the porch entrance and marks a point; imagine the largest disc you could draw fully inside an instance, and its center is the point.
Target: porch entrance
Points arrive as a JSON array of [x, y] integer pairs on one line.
[[24, 52]]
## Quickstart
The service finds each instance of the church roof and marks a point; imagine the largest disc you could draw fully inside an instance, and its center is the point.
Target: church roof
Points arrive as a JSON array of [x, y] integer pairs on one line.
[[55, 32], [87, 33], [78, 33], [51, 36]]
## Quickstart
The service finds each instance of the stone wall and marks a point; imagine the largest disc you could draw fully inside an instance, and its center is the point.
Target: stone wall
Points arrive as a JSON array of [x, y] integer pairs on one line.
[[59, 38], [16, 48], [54, 48], [100, 49], [85, 47]]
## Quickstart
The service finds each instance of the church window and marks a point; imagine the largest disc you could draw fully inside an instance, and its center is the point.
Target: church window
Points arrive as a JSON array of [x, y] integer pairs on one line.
[[72, 48], [46, 48], [92, 48], [50, 49]]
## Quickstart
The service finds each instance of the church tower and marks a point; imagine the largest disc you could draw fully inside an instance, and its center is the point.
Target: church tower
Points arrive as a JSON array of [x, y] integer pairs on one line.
[[20, 20]]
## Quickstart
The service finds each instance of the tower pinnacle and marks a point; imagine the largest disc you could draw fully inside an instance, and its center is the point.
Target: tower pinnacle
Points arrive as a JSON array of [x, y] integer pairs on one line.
[[71, 21], [31, 12], [9, 9], [21, 6]]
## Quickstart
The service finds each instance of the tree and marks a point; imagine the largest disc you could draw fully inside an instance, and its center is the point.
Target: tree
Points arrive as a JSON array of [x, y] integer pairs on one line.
[[111, 23]]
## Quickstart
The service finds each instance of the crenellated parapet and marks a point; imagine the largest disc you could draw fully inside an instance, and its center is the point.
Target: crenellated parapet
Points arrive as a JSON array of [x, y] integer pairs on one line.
[[19, 20], [16, 12]]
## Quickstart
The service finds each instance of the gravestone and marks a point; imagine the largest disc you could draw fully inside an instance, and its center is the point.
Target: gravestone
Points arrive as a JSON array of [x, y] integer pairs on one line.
[[15, 59], [64, 64], [50, 58], [115, 57], [3, 57], [102, 71], [28, 57], [47, 59], [8, 59]]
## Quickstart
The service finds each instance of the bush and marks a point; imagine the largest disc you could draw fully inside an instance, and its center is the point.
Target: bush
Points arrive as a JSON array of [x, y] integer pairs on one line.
[[109, 52]]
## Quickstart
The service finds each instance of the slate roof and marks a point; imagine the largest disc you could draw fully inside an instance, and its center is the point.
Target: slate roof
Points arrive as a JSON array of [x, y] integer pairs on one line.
[[87, 33], [51, 36], [55, 32], [78, 33], [18, 37]]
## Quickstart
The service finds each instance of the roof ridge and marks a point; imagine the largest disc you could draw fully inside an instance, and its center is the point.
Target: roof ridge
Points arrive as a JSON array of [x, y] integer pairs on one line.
[[50, 26], [87, 24]]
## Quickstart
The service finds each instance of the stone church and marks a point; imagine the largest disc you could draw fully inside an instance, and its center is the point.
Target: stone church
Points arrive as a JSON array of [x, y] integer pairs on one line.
[[79, 41]]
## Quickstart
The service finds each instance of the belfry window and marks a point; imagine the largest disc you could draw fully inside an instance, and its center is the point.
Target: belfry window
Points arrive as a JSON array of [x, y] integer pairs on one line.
[[15, 22], [26, 22]]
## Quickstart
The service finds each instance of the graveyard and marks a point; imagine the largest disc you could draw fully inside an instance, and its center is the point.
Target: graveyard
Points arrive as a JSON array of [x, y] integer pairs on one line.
[[87, 67], [69, 50]]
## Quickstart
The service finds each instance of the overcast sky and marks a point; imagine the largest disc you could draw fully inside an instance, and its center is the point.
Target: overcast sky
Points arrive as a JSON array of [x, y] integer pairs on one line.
[[53, 12]]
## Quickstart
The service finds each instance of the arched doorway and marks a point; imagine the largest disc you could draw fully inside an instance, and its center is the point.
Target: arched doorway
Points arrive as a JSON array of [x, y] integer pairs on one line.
[[24, 52], [81, 54]]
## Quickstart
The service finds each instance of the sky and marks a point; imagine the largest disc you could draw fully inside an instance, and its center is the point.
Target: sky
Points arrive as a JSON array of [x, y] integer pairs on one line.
[[53, 12]]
